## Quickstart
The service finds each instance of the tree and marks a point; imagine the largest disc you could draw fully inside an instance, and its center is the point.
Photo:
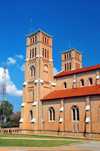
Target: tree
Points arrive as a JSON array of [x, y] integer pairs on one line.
[[6, 109], [14, 119]]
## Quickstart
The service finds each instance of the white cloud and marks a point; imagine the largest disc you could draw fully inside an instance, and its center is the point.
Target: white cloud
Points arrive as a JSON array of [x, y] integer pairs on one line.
[[11, 61], [22, 67], [55, 71], [11, 89], [19, 56]]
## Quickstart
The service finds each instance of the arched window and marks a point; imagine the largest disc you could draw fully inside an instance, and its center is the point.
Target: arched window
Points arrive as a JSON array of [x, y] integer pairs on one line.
[[48, 41], [35, 38], [69, 55], [47, 54], [30, 40], [31, 114], [65, 67], [82, 82], [65, 85], [75, 113], [69, 66], [30, 53], [43, 39], [90, 81], [65, 56], [43, 52], [32, 71], [35, 52], [51, 114]]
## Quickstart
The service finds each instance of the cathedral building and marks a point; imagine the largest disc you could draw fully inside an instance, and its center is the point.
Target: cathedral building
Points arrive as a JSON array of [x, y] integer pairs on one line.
[[67, 103]]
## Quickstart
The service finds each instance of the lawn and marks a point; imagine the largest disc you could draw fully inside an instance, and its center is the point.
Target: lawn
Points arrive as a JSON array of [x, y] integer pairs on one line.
[[34, 143], [38, 136]]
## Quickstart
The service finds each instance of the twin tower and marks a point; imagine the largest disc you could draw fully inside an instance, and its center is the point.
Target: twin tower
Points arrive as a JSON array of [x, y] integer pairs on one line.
[[39, 79]]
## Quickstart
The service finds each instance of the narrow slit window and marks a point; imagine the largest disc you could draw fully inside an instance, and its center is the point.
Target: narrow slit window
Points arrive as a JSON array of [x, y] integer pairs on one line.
[[31, 41], [69, 55], [43, 39], [31, 114], [45, 53], [69, 66], [77, 114], [82, 82], [48, 41], [73, 114], [35, 52], [65, 67], [30, 53], [35, 38], [90, 81], [65, 85]]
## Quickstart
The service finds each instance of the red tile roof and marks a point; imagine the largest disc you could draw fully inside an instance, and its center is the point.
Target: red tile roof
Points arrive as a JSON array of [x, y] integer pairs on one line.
[[75, 92], [65, 73]]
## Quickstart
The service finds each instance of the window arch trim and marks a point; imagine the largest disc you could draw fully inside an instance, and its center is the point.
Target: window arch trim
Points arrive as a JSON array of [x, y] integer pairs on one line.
[[32, 68], [51, 114], [75, 113]]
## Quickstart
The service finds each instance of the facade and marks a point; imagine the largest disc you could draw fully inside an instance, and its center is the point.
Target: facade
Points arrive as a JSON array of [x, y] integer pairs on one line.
[[67, 103]]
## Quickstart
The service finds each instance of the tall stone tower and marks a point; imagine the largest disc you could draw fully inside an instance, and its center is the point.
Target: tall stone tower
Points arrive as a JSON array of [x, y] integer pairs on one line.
[[71, 60], [38, 79]]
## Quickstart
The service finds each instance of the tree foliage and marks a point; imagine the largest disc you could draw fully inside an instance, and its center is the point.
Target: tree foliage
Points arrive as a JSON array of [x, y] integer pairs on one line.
[[6, 109], [7, 117]]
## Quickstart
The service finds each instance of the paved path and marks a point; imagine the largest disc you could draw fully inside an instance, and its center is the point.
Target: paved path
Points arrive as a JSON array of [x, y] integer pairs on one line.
[[40, 149], [86, 145], [56, 139], [92, 145]]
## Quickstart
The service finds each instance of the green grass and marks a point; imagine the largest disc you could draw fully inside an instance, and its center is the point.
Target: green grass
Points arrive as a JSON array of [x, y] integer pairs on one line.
[[34, 143], [43, 136], [39, 136]]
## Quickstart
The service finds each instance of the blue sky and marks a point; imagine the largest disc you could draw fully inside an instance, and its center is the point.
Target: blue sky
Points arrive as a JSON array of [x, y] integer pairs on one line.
[[74, 21]]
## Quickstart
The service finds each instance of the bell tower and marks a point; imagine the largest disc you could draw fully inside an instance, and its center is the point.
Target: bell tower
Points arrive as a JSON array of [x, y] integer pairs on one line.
[[71, 60], [38, 79]]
